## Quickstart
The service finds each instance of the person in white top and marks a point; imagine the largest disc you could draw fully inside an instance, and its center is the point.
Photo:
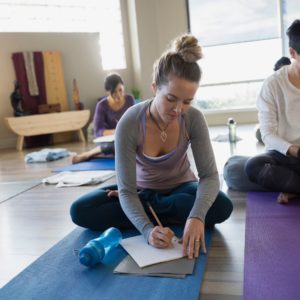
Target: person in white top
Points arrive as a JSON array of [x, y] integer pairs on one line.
[[279, 115]]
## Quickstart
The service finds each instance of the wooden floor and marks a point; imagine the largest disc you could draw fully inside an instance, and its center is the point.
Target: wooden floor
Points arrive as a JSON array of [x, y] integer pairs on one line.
[[33, 221]]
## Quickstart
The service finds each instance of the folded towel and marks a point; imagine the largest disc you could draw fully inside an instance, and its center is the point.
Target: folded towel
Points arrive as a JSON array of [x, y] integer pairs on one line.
[[45, 155], [65, 179]]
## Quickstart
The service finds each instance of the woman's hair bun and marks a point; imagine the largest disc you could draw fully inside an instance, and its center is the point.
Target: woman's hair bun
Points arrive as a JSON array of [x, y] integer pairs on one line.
[[188, 48], [180, 60]]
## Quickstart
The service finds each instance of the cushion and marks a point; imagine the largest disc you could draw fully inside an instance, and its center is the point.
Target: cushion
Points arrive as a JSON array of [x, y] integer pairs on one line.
[[236, 177]]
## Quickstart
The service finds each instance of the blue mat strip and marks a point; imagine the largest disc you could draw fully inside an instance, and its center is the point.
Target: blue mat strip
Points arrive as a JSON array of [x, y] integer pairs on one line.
[[58, 275], [91, 165]]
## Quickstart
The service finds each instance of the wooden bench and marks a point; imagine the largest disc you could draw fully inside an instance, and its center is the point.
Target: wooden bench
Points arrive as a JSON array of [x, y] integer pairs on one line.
[[48, 123]]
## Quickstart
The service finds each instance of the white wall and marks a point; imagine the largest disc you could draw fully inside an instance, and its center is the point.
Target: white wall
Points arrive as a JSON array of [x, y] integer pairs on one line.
[[81, 60], [153, 24]]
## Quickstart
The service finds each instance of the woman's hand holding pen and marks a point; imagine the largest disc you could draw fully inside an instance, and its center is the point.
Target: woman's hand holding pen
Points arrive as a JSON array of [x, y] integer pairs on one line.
[[161, 237], [193, 238]]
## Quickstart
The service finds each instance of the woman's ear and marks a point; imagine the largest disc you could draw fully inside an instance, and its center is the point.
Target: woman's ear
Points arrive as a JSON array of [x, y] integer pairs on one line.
[[154, 87], [292, 52]]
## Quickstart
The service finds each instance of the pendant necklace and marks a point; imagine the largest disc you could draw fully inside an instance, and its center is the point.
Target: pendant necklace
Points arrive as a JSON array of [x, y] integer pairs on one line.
[[163, 134]]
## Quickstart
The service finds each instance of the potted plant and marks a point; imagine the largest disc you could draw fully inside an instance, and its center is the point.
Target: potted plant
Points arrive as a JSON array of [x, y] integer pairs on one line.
[[136, 94]]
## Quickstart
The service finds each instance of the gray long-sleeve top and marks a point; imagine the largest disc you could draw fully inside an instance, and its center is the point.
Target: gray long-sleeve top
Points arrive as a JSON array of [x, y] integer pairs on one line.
[[128, 137]]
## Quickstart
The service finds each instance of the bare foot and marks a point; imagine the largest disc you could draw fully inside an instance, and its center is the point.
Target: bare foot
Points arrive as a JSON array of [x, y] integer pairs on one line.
[[86, 155], [283, 198], [77, 158]]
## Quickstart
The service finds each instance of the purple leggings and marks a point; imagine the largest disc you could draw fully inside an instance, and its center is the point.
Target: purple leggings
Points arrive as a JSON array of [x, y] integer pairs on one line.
[[275, 172]]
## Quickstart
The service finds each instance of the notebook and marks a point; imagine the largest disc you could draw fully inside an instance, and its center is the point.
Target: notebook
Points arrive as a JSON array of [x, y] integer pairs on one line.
[[146, 255], [177, 268]]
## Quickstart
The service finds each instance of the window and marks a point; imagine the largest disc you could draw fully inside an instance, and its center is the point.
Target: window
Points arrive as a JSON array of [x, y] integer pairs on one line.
[[111, 37], [241, 42], [292, 8], [70, 16]]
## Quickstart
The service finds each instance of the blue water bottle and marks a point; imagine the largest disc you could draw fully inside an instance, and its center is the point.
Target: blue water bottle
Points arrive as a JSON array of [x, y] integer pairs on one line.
[[95, 250]]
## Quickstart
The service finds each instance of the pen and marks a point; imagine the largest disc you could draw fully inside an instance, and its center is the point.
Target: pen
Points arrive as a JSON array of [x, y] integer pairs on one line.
[[174, 239], [154, 215]]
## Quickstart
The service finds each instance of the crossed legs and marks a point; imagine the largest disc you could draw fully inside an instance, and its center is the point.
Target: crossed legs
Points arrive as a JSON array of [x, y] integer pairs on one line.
[[98, 211], [276, 172]]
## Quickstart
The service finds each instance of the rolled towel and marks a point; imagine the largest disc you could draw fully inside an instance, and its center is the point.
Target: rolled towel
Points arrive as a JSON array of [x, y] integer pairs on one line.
[[46, 155]]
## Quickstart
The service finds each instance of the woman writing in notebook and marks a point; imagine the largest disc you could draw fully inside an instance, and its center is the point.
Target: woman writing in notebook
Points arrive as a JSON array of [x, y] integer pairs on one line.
[[108, 112], [152, 165]]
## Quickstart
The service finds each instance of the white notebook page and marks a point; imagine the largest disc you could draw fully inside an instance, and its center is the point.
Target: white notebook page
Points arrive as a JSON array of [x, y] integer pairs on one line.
[[146, 255]]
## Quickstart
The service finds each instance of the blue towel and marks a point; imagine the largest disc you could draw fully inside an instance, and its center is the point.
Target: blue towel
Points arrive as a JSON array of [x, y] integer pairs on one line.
[[45, 155]]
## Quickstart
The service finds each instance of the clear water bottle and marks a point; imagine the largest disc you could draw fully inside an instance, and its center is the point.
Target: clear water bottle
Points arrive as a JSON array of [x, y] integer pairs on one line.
[[95, 250], [231, 130]]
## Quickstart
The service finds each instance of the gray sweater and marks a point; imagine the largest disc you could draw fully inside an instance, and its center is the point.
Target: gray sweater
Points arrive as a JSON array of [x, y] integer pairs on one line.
[[128, 137]]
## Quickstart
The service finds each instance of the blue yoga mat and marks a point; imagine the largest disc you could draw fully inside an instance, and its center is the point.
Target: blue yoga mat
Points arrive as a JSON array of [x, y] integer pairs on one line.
[[57, 274], [91, 165]]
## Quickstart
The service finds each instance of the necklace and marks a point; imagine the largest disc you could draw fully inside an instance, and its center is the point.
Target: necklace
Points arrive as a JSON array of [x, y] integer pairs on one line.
[[163, 134]]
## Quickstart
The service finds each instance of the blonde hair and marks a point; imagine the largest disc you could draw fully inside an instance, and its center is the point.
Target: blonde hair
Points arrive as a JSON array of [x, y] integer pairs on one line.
[[179, 60]]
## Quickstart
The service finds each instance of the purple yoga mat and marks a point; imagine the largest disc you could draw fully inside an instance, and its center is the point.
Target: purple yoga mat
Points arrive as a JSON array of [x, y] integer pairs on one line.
[[272, 248]]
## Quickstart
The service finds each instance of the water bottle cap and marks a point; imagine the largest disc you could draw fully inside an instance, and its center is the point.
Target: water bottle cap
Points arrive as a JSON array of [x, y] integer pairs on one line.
[[231, 121], [90, 255], [86, 259]]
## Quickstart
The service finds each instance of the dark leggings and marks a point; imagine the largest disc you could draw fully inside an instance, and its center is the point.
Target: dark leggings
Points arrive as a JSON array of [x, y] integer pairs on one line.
[[107, 147], [97, 211], [275, 172]]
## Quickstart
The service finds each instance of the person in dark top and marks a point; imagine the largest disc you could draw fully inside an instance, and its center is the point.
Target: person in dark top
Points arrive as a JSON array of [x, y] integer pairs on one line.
[[108, 112]]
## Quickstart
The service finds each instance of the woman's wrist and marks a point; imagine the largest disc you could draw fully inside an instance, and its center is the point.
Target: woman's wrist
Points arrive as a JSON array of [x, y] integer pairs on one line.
[[294, 151]]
